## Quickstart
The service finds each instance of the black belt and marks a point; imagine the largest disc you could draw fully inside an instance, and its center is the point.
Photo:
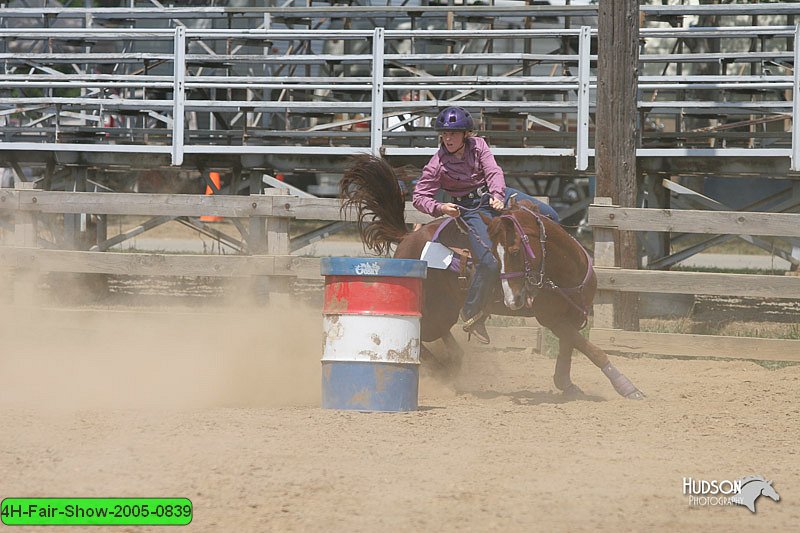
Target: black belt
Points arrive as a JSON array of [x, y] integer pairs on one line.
[[473, 194]]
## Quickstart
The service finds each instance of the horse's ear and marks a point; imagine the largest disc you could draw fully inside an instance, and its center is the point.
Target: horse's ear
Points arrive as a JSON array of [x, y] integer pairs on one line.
[[510, 237], [486, 219]]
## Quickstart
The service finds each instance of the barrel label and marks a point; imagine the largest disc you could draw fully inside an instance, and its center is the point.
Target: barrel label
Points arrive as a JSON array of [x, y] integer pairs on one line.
[[368, 269]]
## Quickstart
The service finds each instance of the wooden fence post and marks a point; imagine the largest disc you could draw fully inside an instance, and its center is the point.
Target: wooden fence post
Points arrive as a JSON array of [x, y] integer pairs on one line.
[[25, 280], [603, 257], [256, 239], [73, 237], [618, 131], [795, 242], [277, 243]]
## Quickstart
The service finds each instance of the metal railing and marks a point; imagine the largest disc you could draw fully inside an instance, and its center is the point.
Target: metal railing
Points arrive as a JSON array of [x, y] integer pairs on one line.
[[309, 92], [98, 89]]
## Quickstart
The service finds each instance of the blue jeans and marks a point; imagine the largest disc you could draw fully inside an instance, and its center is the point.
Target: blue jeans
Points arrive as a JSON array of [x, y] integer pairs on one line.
[[487, 271]]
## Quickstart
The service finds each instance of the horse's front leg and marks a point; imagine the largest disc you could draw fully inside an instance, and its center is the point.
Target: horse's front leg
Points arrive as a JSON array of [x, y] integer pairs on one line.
[[621, 384], [562, 378]]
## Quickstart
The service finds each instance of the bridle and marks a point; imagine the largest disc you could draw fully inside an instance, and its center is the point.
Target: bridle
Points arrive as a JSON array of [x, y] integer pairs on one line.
[[536, 281], [533, 280]]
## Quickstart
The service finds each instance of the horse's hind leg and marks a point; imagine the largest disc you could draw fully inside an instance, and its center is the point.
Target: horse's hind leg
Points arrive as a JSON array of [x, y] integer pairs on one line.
[[562, 378], [431, 362], [597, 356], [453, 348], [446, 365], [453, 355]]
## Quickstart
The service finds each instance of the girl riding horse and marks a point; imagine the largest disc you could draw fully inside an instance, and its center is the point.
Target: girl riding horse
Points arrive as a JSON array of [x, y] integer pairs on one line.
[[553, 276], [465, 169]]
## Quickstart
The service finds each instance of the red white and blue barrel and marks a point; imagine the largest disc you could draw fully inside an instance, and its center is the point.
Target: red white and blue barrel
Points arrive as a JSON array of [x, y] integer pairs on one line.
[[371, 318]]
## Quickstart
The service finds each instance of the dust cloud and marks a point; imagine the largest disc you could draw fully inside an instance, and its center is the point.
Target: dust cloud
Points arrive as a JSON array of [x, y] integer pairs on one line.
[[222, 355]]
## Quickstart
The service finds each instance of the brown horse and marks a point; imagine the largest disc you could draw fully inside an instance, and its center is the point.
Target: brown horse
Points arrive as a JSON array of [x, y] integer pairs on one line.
[[370, 186], [544, 268]]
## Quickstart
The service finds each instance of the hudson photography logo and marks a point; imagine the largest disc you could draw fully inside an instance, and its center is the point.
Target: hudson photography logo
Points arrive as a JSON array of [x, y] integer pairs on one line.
[[744, 491]]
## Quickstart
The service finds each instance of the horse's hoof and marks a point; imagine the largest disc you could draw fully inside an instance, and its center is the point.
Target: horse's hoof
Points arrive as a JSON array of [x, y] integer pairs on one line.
[[636, 395], [572, 391]]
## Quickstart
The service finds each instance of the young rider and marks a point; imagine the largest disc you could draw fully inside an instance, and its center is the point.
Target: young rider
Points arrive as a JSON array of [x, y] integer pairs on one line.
[[465, 169]]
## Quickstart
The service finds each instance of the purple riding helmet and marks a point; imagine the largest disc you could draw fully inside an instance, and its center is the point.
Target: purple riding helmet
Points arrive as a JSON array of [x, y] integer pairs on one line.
[[454, 119]]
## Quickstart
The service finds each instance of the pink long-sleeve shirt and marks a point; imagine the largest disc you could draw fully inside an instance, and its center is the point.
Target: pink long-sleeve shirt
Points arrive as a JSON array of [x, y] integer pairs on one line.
[[458, 176]]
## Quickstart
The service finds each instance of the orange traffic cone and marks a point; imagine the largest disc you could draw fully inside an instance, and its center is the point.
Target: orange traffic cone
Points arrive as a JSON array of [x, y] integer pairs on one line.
[[209, 190]]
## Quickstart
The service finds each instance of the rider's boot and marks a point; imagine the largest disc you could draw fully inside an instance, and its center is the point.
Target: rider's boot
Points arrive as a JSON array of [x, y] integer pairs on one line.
[[476, 327]]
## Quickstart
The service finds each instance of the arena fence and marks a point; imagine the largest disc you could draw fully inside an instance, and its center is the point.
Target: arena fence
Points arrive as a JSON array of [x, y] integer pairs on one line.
[[264, 222], [606, 218]]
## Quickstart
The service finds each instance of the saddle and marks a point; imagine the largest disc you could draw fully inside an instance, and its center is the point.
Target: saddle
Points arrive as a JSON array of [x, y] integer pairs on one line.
[[458, 260], [463, 265]]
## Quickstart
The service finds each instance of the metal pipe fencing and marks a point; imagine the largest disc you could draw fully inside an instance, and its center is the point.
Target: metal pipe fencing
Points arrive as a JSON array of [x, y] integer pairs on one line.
[[339, 102]]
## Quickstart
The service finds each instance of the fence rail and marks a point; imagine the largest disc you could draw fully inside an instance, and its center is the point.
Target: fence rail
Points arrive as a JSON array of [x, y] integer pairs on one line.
[[687, 345], [688, 221], [151, 264], [193, 205], [654, 281], [606, 218], [273, 212]]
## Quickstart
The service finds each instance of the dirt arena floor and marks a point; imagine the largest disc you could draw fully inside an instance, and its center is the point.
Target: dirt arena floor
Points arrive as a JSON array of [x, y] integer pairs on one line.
[[221, 405]]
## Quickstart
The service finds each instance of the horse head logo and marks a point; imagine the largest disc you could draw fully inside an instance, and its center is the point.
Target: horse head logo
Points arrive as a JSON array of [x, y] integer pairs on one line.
[[752, 488]]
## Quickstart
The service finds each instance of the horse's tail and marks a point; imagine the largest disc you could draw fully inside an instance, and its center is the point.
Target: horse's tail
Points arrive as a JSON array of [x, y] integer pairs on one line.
[[370, 186]]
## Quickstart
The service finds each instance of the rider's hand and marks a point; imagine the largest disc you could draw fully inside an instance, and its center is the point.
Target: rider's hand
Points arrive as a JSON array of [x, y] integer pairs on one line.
[[450, 210], [496, 204]]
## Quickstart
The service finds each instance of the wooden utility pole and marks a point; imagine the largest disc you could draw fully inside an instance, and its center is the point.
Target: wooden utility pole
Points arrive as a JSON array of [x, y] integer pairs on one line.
[[617, 132]]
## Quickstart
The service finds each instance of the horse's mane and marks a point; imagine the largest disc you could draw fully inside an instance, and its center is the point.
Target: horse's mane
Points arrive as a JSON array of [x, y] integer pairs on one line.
[[527, 204], [748, 479], [370, 185], [528, 209], [515, 209]]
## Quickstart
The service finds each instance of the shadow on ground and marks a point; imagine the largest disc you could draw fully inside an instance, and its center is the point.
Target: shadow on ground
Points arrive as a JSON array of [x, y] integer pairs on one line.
[[525, 397]]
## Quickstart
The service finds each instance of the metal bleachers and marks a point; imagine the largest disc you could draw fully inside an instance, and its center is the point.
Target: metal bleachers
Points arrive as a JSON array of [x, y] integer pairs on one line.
[[283, 88]]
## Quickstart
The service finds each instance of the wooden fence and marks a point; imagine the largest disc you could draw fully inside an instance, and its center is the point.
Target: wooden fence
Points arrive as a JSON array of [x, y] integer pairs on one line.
[[264, 221], [605, 218]]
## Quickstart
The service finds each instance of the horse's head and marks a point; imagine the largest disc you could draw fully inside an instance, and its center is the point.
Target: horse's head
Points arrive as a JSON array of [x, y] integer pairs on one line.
[[751, 488], [521, 264], [768, 490]]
